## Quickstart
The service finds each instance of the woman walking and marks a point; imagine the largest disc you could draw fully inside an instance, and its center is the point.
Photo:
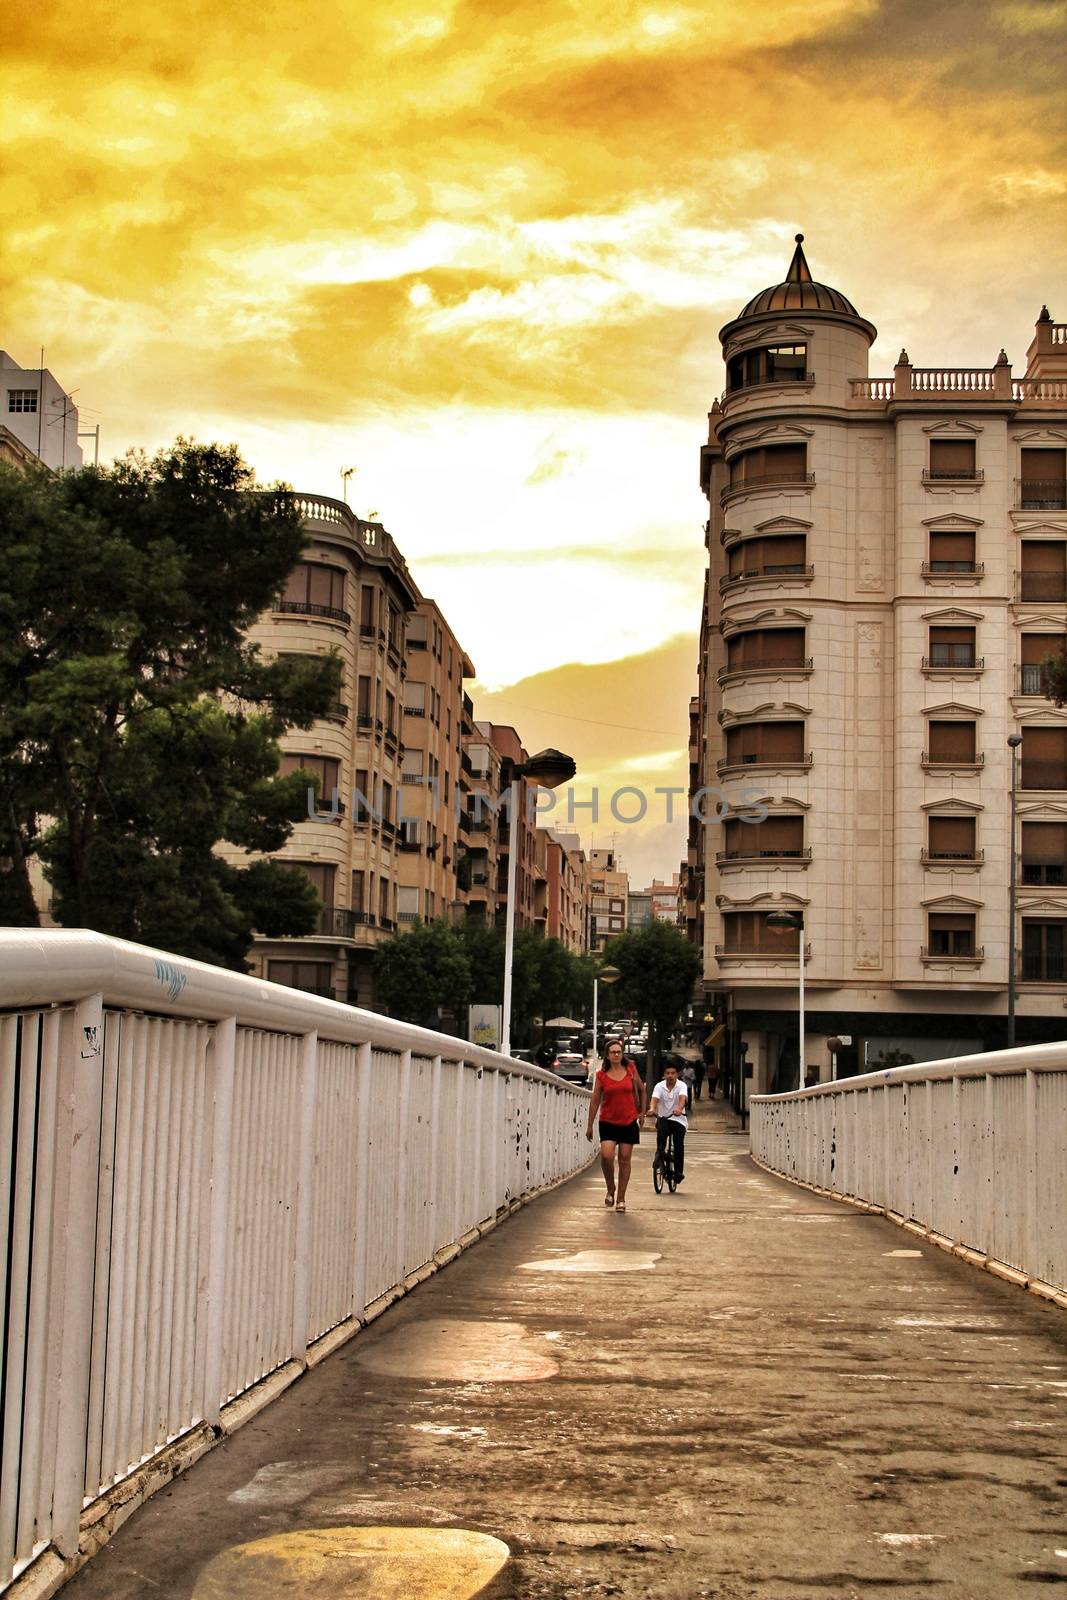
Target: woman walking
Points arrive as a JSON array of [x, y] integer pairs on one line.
[[619, 1097]]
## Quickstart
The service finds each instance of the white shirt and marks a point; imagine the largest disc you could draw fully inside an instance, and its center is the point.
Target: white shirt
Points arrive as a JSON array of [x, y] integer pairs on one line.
[[671, 1103]]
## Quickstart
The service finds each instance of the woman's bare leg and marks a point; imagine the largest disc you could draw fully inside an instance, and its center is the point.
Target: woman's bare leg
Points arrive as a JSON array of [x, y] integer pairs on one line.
[[607, 1163], [626, 1155]]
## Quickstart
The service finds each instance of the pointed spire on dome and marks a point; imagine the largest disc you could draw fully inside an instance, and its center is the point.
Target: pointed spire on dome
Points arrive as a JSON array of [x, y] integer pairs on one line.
[[799, 271]]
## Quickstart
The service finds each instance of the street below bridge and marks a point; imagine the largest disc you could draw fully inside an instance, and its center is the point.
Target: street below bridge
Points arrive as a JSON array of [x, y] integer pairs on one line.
[[742, 1391]]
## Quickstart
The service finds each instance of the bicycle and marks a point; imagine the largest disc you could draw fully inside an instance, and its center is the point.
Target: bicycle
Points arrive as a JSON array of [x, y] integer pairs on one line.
[[663, 1166]]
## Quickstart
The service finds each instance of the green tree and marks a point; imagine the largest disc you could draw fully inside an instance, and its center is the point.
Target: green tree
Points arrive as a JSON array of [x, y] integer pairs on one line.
[[659, 969], [1054, 678], [421, 972], [138, 726]]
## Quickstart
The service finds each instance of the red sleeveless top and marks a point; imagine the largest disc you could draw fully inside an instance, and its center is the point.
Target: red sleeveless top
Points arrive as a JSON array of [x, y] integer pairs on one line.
[[620, 1102]]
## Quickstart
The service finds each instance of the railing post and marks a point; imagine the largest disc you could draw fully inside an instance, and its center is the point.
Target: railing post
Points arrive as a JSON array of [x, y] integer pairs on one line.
[[403, 1162], [82, 1077], [361, 1143], [1033, 1254], [434, 1177], [304, 1199], [224, 1052]]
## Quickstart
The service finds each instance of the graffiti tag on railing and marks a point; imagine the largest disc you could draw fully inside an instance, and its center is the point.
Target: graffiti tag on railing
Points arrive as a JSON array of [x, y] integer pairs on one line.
[[171, 977]]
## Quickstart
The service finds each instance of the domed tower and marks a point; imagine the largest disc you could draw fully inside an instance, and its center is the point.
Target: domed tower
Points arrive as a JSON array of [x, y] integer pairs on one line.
[[800, 540]]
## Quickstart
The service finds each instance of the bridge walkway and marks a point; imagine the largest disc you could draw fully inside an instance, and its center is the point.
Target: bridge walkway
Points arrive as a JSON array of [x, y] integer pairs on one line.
[[742, 1391]]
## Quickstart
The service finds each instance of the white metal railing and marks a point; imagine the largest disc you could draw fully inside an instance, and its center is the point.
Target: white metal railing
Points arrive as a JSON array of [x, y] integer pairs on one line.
[[969, 1152], [204, 1174]]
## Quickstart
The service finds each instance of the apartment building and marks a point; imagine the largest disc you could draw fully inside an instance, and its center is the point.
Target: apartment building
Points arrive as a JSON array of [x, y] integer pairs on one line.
[[664, 899], [609, 894], [568, 889], [638, 910], [484, 768], [887, 570], [39, 415], [432, 801], [352, 593], [495, 749]]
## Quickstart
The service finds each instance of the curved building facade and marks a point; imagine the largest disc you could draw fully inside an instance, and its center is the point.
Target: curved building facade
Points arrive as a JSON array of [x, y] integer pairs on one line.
[[872, 636]]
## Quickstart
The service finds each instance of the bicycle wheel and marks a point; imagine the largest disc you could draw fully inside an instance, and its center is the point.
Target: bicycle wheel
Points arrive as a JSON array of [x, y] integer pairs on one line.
[[657, 1174], [668, 1165]]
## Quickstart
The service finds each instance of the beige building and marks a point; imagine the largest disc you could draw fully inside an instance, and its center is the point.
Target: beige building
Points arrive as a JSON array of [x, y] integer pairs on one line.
[[482, 831], [498, 748], [664, 897], [352, 593], [568, 889], [609, 894], [432, 814], [887, 567]]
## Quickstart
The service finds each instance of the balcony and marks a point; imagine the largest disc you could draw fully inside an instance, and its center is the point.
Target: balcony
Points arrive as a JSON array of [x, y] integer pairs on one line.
[[763, 763], [791, 570], [476, 824], [767, 957], [936, 763], [737, 858], [334, 922], [1041, 494], [764, 481], [336, 713], [953, 475], [1043, 874], [931, 956], [367, 630], [781, 380], [365, 720], [953, 658], [953, 569], [952, 858], [794, 668], [1033, 680], [407, 916], [1050, 587], [306, 608], [409, 845], [414, 711], [388, 923], [415, 644]]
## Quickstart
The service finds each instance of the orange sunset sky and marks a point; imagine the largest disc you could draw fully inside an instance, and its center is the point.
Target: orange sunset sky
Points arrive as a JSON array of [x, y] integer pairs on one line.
[[481, 251]]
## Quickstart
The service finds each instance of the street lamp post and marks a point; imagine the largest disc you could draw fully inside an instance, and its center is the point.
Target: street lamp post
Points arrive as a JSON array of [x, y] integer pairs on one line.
[[794, 919], [548, 770], [605, 975], [1014, 741]]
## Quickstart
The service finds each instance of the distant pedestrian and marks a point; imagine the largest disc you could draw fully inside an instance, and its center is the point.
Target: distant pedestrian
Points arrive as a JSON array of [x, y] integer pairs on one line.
[[689, 1078], [619, 1097], [698, 1081]]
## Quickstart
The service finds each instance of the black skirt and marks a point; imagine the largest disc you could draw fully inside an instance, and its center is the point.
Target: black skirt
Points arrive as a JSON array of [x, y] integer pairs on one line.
[[620, 1132]]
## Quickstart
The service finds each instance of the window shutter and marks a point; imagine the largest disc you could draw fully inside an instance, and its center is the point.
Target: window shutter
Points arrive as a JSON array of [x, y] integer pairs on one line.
[[786, 550], [1044, 465], [952, 741], [951, 457], [951, 636], [1044, 744], [1044, 844], [957, 545], [946, 922], [778, 833], [781, 741], [1044, 555], [1036, 646], [951, 836]]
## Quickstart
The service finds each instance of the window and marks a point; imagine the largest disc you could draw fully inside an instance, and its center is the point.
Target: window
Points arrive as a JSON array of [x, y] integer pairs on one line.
[[428, 902], [325, 768], [22, 399], [773, 463], [951, 934], [777, 836], [363, 800], [411, 831], [411, 764], [952, 550], [759, 743], [952, 458], [1034, 647], [951, 839], [390, 712], [1044, 852], [1043, 951], [768, 557], [952, 744], [415, 699], [387, 802], [363, 698], [315, 977], [766, 647], [747, 932], [1044, 763], [952, 647], [366, 607], [316, 588], [321, 875], [783, 363], [1043, 475], [416, 633], [357, 891], [407, 904], [383, 900], [1044, 570]]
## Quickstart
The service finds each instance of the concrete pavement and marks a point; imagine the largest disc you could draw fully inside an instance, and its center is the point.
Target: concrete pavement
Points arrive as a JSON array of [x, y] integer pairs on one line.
[[739, 1391]]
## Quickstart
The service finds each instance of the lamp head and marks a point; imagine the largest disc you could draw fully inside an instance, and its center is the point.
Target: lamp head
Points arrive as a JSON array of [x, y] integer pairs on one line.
[[608, 975], [785, 919], [549, 768], [1014, 740]]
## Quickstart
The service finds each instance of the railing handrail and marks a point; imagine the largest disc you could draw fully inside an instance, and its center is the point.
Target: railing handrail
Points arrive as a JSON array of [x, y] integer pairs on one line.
[[997, 1063]]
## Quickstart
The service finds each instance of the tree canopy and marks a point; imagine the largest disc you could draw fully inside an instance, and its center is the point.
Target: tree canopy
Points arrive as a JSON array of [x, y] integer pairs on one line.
[[422, 972], [138, 725], [659, 968]]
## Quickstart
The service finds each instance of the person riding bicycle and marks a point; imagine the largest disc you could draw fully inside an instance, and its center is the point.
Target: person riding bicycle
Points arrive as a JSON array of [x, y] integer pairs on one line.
[[669, 1100]]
